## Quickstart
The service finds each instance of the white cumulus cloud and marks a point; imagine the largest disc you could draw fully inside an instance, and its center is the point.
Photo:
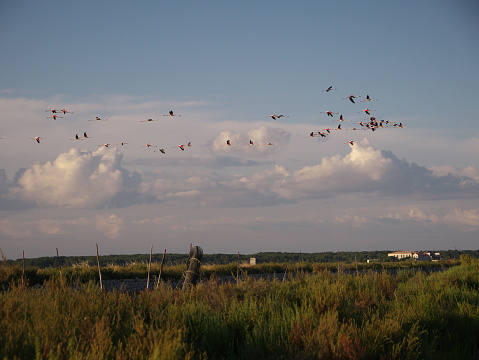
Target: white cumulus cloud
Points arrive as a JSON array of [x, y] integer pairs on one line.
[[364, 170], [77, 179], [94, 180], [265, 140]]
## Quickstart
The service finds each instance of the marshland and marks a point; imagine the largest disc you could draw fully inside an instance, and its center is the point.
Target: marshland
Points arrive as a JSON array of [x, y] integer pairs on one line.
[[313, 311]]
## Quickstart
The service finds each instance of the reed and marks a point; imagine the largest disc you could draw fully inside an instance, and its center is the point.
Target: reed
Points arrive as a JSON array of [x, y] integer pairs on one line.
[[324, 315]]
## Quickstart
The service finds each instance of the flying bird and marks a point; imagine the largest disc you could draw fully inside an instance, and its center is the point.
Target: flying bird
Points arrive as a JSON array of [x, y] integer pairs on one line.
[[149, 145], [368, 99], [97, 118], [367, 111], [52, 110], [312, 134], [163, 151], [171, 113], [351, 98], [54, 117], [349, 142], [77, 138], [274, 117], [85, 135], [228, 143], [105, 145], [329, 113], [329, 89], [64, 111], [37, 138], [147, 120], [342, 119]]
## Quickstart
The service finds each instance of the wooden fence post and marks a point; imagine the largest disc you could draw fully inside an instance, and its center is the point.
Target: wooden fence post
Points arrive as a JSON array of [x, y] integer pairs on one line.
[[193, 267], [23, 267], [149, 268], [98, 264], [161, 268], [59, 265]]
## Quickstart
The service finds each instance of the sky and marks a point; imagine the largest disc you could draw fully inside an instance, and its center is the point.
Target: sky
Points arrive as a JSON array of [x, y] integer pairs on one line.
[[223, 68]]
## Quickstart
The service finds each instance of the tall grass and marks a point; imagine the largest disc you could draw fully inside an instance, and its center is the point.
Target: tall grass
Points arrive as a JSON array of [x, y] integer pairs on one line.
[[410, 315]]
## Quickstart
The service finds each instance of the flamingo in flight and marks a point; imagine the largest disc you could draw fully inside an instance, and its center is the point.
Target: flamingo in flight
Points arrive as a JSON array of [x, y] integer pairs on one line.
[[368, 99], [274, 117], [342, 119], [77, 137], [147, 120], [171, 113], [329, 89], [149, 145], [54, 117], [329, 113], [368, 111], [351, 98], [37, 138]]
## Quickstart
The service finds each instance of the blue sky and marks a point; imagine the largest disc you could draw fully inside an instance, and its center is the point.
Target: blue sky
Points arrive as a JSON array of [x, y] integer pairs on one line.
[[224, 67]]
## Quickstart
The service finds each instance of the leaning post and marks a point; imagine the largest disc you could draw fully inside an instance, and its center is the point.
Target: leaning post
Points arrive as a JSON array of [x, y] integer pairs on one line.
[[193, 267]]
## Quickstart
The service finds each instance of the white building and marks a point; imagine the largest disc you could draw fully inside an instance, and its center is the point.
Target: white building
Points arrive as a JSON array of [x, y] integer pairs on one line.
[[418, 256], [422, 256], [401, 254]]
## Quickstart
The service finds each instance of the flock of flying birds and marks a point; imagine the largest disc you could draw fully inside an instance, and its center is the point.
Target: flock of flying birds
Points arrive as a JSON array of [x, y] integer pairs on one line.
[[371, 123]]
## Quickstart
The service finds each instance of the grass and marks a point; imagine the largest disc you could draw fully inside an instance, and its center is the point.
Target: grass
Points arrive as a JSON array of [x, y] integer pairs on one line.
[[320, 315]]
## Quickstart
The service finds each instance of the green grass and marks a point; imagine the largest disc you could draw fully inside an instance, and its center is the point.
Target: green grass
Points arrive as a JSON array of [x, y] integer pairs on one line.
[[322, 315]]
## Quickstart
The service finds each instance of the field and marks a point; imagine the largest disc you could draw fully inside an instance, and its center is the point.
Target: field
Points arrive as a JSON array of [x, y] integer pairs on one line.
[[315, 314]]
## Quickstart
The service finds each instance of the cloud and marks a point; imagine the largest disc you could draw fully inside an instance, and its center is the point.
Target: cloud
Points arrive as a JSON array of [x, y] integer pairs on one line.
[[414, 215], [211, 161], [111, 226], [4, 183], [468, 172], [79, 179], [265, 141], [94, 180], [363, 171], [467, 220], [14, 229]]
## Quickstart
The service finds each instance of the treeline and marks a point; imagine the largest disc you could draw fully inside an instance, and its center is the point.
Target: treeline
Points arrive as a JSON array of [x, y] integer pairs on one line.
[[223, 259]]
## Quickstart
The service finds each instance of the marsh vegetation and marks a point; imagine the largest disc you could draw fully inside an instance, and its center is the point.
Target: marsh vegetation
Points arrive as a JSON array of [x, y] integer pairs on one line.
[[316, 314]]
